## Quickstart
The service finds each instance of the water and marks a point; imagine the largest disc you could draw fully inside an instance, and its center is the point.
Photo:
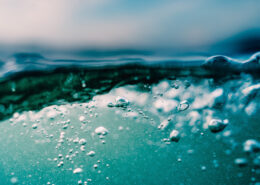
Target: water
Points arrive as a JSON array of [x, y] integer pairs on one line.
[[149, 120]]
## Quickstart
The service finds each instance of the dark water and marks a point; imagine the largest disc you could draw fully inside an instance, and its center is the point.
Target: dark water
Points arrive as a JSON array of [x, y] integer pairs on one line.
[[129, 120]]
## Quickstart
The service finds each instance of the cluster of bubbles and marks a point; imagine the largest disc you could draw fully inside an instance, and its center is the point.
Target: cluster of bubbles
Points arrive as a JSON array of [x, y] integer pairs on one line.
[[202, 106], [176, 107]]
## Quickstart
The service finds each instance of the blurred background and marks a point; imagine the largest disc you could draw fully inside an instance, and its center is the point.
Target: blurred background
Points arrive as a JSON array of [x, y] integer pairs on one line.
[[167, 26]]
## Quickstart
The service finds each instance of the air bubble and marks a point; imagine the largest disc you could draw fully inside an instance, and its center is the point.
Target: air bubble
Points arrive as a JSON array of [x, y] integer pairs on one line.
[[77, 170], [91, 153], [217, 125], [251, 146], [175, 135], [121, 102], [241, 162], [101, 131], [60, 164], [203, 168], [82, 148], [82, 118], [82, 141], [34, 126], [184, 105], [14, 180]]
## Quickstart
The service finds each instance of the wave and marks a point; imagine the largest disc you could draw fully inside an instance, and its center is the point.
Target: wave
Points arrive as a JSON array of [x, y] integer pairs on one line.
[[28, 63], [32, 81]]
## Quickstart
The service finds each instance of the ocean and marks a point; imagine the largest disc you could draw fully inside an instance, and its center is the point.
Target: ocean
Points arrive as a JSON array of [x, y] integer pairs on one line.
[[129, 119]]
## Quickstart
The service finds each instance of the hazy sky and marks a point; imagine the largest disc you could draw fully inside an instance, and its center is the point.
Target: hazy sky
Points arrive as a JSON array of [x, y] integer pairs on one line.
[[127, 23]]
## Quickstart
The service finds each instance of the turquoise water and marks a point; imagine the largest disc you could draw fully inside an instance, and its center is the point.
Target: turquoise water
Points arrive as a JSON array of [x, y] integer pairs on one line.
[[188, 121]]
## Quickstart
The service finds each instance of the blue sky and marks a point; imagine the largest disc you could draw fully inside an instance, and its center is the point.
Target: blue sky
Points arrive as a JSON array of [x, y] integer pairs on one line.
[[126, 23]]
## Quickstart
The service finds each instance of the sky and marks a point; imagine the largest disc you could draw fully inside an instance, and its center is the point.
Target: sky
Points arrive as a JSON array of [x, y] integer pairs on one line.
[[126, 23]]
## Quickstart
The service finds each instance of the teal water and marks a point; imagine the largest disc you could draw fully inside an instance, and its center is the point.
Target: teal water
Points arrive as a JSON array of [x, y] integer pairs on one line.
[[137, 124]]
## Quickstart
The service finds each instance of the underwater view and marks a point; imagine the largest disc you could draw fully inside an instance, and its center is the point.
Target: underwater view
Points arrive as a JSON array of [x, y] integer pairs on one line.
[[130, 121], [129, 93]]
